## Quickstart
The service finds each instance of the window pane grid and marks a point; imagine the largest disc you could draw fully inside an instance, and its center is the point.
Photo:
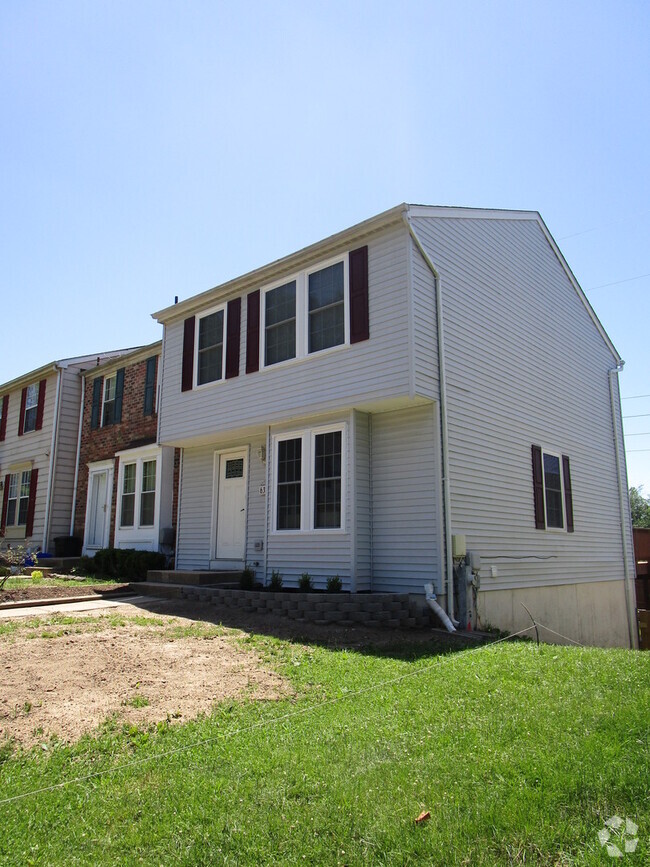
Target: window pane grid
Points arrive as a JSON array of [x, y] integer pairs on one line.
[[128, 496], [289, 484], [326, 308], [280, 323], [327, 480], [553, 492], [210, 360]]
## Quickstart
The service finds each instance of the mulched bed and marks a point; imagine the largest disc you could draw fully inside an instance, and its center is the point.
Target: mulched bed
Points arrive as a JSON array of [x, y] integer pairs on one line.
[[74, 588]]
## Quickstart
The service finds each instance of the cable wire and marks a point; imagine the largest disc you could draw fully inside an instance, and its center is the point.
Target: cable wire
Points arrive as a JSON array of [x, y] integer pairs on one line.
[[224, 735]]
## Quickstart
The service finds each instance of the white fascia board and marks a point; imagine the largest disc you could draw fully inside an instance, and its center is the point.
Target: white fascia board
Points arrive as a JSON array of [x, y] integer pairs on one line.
[[294, 262]]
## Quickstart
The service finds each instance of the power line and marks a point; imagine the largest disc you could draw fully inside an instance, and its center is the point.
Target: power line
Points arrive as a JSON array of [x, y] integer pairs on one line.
[[629, 451], [642, 415], [604, 226], [642, 434], [262, 723], [618, 282], [635, 396]]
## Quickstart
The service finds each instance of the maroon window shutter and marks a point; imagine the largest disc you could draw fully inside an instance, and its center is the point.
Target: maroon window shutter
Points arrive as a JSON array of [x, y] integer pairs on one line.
[[253, 331], [187, 378], [31, 504], [21, 417], [233, 337], [5, 503], [359, 311], [3, 423], [41, 404], [538, 488], [568, 494]]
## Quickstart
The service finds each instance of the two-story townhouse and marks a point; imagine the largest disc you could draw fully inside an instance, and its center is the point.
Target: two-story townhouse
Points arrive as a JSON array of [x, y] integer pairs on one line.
[[39, 423], [429, 372], [125, 481]]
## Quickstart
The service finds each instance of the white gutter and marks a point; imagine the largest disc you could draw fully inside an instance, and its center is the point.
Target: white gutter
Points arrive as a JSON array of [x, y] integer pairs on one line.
[[53, 445], [76, 463], [624, 507], [449, 566]]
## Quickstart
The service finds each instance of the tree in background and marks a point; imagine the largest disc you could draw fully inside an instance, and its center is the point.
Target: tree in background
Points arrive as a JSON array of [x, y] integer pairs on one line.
[[640, 508]]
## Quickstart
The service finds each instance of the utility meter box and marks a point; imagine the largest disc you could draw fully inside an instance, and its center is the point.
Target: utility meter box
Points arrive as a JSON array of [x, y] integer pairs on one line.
[[474, 560], [458, 547]]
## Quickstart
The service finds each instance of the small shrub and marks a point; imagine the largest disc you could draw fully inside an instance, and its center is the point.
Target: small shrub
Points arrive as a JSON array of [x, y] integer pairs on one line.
[[304, 582], [334, 584], [276, 580], [87, 566], [37, 575], [125, 563], [246, 579]]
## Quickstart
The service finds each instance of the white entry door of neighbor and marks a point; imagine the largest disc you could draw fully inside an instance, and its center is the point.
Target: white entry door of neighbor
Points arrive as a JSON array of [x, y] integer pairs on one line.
[[98, 509], [231, 505]]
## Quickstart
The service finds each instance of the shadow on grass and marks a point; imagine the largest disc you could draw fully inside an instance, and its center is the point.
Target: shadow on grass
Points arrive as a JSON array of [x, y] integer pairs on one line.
[[404, 644]]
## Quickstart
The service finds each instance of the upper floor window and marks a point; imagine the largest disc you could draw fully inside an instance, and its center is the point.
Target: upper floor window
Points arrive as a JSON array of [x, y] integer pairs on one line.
[[31, 408], [553, 497], [108, 409], [305, 315], [107, 398], [210, 354]]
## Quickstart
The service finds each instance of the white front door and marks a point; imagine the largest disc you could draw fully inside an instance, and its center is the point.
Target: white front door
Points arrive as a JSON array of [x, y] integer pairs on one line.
[[231, 504], [98, 509]]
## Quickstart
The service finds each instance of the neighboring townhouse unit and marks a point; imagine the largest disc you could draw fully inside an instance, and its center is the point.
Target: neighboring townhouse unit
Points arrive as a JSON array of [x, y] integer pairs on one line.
[[39, 423], [125, 484], [428, 372]]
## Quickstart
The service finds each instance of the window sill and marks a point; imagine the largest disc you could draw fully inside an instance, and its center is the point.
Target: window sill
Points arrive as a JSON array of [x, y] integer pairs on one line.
[[291, 361]]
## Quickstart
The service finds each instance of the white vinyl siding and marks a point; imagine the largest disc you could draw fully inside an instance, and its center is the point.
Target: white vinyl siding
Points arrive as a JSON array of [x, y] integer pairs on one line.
[[345, 376], [405, 533], [525, 364]]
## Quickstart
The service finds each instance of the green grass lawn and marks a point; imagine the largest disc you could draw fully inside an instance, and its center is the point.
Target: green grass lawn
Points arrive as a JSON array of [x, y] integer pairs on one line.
[[519, 753], [17, 582]]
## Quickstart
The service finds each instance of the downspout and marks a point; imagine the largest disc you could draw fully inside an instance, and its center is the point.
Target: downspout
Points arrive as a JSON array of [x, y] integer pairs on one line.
[[50, 476], [623, 502], [449, 566], [268, 513], [76, 463]]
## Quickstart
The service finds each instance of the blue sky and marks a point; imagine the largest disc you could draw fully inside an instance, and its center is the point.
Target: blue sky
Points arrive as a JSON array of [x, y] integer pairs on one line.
[[154, 149]]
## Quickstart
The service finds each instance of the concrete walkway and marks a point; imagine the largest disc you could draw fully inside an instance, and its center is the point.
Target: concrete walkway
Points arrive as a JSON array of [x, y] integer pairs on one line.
[[139, 602]]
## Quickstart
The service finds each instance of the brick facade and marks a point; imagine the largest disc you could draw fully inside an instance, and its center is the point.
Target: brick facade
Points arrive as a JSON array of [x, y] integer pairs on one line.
[[100, 444]]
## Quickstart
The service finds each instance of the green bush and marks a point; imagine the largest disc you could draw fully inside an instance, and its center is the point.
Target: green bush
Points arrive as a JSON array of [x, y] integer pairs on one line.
[[334, 584], [246, 579], [276, 580], [125, 563], [304, 582]]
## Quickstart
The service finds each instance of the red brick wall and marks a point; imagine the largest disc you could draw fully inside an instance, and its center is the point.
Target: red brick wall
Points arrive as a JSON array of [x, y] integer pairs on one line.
[[100, 444]]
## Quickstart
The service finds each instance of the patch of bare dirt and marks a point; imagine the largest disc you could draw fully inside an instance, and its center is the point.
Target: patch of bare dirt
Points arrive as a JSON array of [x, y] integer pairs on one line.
[[70, 684], [70, 590]]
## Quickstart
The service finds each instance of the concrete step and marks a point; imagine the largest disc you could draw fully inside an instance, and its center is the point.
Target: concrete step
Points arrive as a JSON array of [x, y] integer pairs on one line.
[[193, 579]]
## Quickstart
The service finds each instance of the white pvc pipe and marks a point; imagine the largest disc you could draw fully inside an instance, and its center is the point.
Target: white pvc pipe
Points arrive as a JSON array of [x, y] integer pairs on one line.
[[53, 446], [442, 376], [437, 609]]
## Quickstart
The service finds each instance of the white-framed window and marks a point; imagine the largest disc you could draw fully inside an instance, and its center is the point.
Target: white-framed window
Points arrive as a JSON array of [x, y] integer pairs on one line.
[[210, 355], [18, 498], [305, 314], [31, 407], [138, 485], [310, 482], [108, 405], [553, 491]]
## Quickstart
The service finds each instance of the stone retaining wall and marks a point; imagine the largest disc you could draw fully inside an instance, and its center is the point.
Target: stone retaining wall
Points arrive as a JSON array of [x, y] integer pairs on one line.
[[389, 610]]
